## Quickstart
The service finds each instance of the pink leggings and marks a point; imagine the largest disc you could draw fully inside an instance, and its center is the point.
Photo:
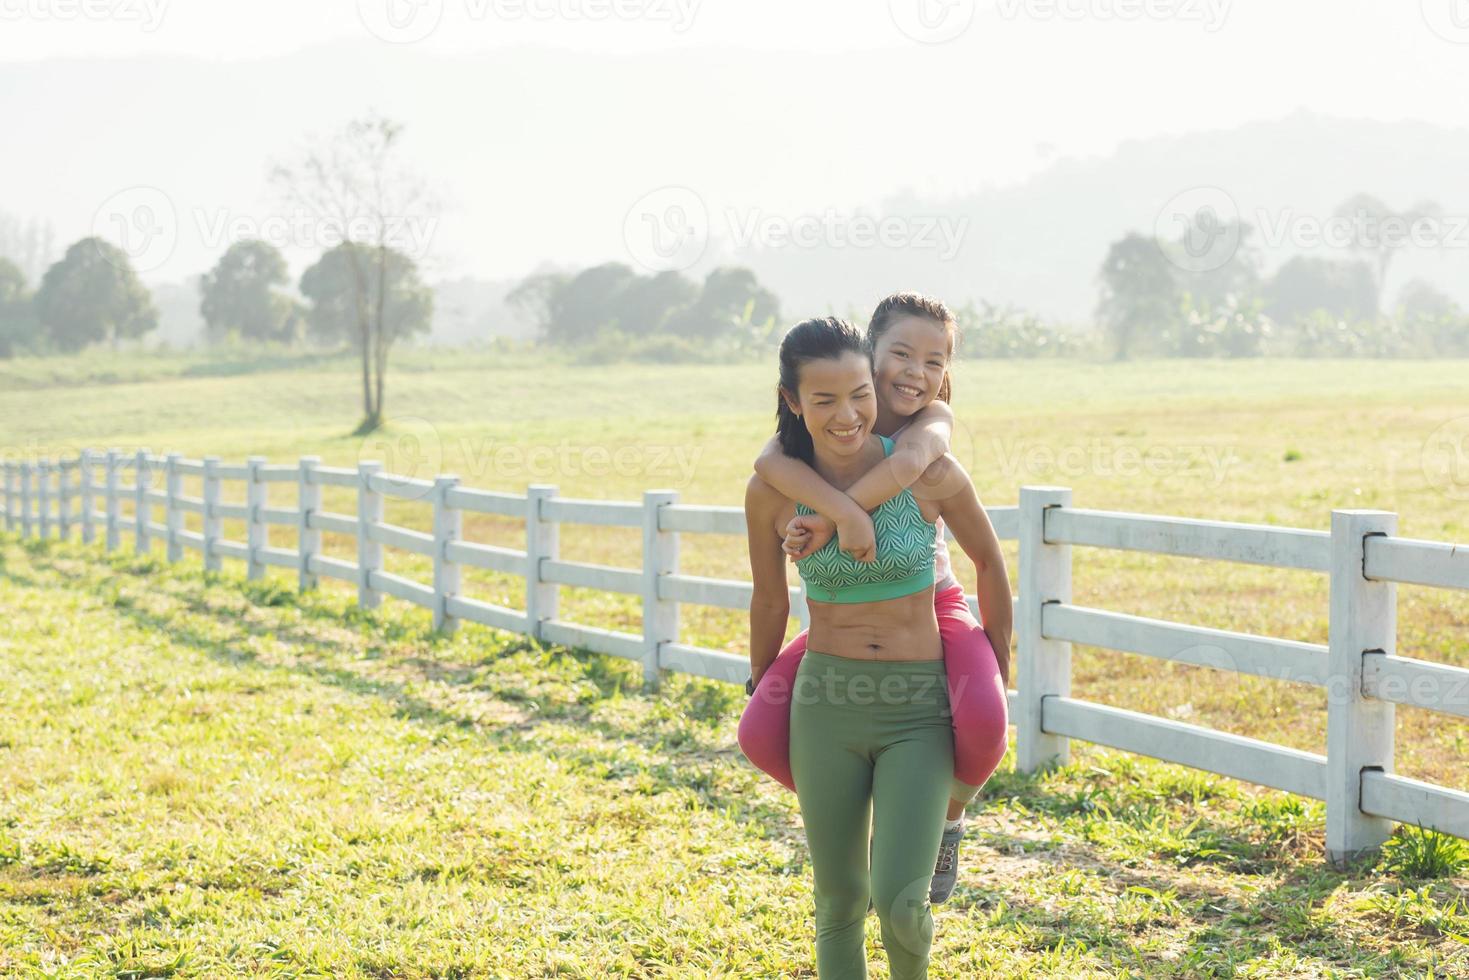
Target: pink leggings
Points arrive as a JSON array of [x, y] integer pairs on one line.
[[976, 698]]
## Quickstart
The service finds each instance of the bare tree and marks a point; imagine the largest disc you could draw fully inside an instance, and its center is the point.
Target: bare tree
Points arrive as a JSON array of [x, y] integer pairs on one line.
[[357, 191]]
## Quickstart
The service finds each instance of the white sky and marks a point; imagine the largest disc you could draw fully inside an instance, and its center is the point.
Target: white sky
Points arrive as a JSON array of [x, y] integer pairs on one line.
[[1322, 35], [1025, 82], [1370, 57]]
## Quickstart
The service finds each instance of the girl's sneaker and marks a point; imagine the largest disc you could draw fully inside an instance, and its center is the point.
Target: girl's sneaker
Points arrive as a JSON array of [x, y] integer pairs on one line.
[[946, 868]]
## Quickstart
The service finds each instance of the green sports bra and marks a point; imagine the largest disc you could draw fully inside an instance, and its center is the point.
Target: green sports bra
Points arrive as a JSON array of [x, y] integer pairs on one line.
[[904, 565]]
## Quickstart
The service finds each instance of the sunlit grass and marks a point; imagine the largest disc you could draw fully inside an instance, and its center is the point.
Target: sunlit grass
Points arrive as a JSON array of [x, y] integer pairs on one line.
[[205, 776], [211, 777]]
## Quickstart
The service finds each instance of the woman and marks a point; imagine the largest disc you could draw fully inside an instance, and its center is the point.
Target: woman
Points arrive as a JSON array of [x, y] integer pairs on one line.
[[869, 724], [912, 339]]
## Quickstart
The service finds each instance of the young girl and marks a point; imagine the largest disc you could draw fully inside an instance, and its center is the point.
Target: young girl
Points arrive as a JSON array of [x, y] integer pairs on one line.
[[912, 341]]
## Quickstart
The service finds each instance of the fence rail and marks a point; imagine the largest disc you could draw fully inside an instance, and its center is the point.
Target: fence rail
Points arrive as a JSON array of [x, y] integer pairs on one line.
[[1358, 667]]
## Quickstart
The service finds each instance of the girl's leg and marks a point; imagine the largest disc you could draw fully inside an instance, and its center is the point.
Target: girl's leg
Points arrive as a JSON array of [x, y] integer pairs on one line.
[[910, 789], [976, 697], [833, 776], [765, 725]]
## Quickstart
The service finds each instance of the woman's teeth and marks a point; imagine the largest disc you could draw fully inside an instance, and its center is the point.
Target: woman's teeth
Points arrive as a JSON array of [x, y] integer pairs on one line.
[[844, 433]]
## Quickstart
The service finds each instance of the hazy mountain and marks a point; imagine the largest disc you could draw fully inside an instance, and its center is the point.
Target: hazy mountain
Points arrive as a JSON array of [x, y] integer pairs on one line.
[[1039, 245], [540, 155]]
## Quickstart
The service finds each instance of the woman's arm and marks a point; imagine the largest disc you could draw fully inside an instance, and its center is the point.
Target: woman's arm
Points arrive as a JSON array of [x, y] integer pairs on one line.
[[770, 606], [921, 443], [965, 515]]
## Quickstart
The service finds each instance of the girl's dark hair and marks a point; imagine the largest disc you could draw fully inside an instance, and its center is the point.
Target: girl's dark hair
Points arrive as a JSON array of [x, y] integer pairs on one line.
[[914, 304], [809, 340]]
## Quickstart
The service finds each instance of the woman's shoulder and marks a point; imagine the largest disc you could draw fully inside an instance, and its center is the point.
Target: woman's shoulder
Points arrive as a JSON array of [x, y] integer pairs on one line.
[[945, 466], [760, 494], [944, 479], [765, 504]]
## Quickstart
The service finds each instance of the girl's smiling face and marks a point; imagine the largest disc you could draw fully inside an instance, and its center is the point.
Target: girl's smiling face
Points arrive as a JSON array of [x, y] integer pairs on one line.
[[836, 402], [910, 360]]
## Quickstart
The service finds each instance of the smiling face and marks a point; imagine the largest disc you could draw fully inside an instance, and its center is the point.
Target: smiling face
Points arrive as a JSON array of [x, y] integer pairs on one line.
[[837, 403], [911, 357]]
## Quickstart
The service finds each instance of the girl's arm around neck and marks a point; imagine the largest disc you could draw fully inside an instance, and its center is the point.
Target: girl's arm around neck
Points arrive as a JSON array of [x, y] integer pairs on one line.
[[795, 480], [922, 443]]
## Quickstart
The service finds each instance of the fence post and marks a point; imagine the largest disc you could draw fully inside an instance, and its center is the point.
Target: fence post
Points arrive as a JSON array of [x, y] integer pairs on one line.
[[308, 539], [542, 542], [1044, 668], [12, 497], [63, 500], [109, 501], [172, 515], [369, 552], [210, 529], [142, 510], [44, 474], [448, 528], [1359, 730], [256, 532], [27, 478], [660, 557], [803, 609], [89, 521]]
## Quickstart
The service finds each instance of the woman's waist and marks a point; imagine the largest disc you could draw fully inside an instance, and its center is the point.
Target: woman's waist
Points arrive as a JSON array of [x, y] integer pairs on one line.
[[904, 690], [912, 638]]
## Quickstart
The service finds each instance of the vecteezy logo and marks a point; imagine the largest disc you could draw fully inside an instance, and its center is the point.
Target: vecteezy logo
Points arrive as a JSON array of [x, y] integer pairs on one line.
[[1446, 458], [932, 21], [142, 222], [1449, 19], [1199, 229], [667, 230], [408, 447], [400, 21]]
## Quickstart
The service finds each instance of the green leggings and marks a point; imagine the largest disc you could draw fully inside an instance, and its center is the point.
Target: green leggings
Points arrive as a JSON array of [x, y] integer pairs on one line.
[[872, 735]]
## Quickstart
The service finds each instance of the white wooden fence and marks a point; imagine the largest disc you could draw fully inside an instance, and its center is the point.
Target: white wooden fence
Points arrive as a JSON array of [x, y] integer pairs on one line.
[[1359, 669]]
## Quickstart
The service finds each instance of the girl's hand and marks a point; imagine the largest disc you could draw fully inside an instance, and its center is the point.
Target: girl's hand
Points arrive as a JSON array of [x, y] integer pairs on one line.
[[857, 536], [807, 534]]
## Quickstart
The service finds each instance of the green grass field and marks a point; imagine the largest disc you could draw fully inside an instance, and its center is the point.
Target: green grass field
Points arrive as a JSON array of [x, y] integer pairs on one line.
[[208, 777]]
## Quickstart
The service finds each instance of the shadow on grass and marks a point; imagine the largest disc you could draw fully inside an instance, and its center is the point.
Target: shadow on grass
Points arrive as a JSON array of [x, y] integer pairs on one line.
[[6, 571], [685, 758], [1285, 910]]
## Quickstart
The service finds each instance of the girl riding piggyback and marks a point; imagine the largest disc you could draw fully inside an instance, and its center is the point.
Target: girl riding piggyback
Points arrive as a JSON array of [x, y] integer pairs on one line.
[[911, 339]]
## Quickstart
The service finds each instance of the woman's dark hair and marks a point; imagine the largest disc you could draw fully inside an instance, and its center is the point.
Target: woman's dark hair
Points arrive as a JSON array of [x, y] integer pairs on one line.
[[914, 304], [809, 340]]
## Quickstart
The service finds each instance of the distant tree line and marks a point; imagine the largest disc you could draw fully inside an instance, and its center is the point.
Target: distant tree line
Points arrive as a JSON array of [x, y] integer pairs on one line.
[[1156, 299], [1154, 303], [93, 296], [610, 312]]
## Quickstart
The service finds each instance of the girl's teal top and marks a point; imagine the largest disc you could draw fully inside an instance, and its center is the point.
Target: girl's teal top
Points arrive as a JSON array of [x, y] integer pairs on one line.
[[904, 565]]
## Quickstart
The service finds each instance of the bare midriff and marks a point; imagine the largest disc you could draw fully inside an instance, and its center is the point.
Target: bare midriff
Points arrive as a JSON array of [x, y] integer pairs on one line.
[[904, 628]]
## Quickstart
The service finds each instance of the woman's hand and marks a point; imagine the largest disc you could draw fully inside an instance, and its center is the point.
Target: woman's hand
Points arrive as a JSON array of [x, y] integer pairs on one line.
[[807, 534], [1000, 643]]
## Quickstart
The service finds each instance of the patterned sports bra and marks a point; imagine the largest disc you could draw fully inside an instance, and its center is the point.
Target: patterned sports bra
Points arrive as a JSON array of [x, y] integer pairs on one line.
[[904, 565]]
